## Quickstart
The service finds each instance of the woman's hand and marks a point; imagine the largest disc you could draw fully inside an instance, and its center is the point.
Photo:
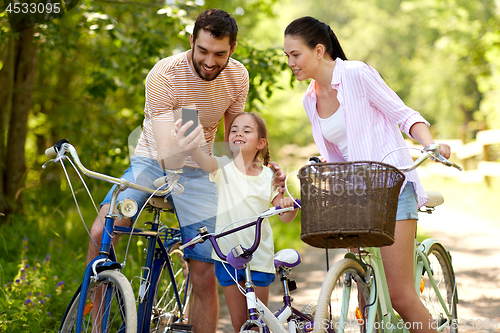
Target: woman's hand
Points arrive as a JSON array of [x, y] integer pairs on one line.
[[445, 150]]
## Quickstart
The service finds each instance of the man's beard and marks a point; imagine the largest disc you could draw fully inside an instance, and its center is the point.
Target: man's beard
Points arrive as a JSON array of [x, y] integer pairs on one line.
[[197, 67]]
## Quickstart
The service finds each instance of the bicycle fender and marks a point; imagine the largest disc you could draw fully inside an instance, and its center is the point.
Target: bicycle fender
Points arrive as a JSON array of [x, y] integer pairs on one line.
[[427, 244]]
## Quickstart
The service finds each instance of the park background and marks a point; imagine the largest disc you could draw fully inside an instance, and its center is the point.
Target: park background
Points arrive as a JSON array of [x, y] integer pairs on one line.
[[81, 77]]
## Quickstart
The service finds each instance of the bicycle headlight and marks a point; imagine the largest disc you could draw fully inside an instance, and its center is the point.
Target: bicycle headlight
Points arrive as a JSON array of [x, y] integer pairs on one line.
[[127, 207]]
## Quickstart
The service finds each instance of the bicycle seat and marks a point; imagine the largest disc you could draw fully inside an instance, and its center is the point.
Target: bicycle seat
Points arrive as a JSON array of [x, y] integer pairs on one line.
[[435, 199], [287, 258], [159, 202]]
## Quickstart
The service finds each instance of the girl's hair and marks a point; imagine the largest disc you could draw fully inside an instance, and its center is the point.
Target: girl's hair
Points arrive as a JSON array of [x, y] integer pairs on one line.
[[314, 32], [262, 133]]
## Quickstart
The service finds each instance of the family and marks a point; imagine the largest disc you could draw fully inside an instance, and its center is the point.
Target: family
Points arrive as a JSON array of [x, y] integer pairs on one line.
[[354, 116]]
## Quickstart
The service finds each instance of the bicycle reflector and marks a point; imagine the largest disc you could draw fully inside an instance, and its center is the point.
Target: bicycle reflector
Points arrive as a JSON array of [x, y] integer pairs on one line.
[[127, 207]]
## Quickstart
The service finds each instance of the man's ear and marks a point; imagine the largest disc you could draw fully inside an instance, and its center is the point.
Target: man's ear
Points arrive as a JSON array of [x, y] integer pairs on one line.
[[232, 49], [191, 40]]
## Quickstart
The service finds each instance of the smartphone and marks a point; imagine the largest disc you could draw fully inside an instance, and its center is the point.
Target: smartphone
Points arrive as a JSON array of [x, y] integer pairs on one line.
[[187, 115]]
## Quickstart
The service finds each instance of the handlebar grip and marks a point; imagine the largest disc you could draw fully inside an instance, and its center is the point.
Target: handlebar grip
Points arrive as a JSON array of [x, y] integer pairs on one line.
[[160, 181], [296, 204], [51, 152]]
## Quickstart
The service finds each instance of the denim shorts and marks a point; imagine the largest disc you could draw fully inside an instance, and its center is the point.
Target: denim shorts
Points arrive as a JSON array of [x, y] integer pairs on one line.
[[260, 279], [407, 204], [195, 207]]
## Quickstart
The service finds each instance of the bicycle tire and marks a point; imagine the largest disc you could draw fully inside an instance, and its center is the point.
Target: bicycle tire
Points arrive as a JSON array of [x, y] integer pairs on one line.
[[442, 271], [165, 311], [344, 283], [123, 309]]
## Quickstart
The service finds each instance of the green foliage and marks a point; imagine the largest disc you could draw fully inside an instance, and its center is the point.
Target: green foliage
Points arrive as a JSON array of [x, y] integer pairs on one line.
[[33, 300]]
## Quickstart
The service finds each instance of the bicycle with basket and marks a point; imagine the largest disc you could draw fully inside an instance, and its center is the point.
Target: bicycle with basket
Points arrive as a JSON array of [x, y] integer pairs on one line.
[[105, 300], [353, 205]]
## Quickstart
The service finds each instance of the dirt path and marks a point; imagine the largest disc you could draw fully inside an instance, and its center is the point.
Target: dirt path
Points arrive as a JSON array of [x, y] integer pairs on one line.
[[475, 249]]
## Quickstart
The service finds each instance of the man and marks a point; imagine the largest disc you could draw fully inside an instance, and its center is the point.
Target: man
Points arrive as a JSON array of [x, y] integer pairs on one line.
[[207, 79]]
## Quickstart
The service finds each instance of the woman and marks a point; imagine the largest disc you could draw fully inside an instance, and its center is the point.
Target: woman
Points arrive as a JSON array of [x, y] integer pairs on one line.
[[355, 116]]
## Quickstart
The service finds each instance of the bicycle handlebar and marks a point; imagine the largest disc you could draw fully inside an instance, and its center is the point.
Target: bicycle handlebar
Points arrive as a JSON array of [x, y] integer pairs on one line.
[[430, 152], [203, 235], [60, 149]]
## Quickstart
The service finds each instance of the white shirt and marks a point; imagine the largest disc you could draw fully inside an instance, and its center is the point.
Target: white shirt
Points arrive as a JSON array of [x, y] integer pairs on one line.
[[333, 129], [243, 197], [374, 118]]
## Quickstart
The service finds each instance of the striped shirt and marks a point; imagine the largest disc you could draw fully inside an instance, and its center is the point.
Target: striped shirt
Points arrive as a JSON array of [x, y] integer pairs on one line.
[[172, 85], [372, 113]]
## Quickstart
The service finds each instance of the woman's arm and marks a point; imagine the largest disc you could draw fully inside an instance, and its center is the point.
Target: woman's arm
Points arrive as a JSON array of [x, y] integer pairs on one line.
[[421, 133]]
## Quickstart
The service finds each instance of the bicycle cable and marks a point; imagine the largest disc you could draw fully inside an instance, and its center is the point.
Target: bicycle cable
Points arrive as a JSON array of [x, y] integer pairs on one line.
[[406, 147], [74, 195], [286, 188], [135, 222]]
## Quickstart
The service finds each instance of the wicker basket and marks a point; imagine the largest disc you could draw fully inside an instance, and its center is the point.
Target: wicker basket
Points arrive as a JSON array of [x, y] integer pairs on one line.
[[347, 203]]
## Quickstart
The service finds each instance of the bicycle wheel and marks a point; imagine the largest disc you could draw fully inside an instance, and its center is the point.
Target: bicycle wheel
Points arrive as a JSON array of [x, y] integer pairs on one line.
[[442, 272], [166, 310], [119, 313], [342, 298]]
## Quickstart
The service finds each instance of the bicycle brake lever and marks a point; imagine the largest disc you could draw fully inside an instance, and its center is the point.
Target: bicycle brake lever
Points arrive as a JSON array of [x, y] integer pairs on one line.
[[44, 166]]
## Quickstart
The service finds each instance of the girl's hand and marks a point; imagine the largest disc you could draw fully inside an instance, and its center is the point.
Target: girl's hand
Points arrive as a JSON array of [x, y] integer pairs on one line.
[[190, 142], [286, 202]]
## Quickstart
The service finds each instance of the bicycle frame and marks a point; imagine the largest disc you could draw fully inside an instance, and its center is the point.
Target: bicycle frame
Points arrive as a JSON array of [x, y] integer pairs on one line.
[[257, 311], [157, 262], [380, 302], [273, 322]]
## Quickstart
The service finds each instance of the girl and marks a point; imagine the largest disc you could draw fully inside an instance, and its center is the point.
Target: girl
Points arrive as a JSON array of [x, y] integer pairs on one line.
[[245, 189], [355, 117]]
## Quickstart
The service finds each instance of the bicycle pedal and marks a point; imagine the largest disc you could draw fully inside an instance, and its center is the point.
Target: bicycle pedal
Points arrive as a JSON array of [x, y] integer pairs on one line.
[[180, 328], [292, 285]]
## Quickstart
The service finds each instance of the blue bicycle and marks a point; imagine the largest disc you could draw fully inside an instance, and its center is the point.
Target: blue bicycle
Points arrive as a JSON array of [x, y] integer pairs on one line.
[[105, 301]]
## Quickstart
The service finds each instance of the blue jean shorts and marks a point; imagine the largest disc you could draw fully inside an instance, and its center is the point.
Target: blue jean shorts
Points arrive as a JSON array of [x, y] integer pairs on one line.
[[195, 207], [407, 204], [260, 279]]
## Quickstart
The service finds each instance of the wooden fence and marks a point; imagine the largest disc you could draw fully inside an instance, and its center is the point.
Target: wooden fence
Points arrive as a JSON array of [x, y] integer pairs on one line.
[[474, 157]]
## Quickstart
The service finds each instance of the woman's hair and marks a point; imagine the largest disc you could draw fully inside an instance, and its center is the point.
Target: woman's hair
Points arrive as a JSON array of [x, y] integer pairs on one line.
[[218, 23], [262, 133], [314, 32]]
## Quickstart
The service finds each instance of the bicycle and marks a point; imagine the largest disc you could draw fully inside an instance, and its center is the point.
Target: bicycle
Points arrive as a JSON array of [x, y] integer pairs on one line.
[[259, 314], [354, 296], [108, 302]]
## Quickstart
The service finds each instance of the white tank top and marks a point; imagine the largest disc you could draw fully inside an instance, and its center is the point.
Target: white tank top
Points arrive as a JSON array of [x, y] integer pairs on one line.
[[333, 129]]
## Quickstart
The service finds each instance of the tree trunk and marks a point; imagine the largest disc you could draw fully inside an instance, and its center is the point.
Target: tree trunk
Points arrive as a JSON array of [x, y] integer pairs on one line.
[[19, 74]]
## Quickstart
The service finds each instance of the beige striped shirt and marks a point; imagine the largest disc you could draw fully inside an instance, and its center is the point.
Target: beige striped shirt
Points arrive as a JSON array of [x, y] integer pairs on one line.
[[172, 85]]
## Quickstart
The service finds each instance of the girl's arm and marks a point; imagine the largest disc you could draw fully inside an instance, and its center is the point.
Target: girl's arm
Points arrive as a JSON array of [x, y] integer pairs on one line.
[[283, 202], [206, 162]]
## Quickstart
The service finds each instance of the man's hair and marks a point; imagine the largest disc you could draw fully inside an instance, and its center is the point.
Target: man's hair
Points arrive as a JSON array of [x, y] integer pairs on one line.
[[218, 23]]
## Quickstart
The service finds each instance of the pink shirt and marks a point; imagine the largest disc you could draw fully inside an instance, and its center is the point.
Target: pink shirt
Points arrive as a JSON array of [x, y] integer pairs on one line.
[[372, 113]]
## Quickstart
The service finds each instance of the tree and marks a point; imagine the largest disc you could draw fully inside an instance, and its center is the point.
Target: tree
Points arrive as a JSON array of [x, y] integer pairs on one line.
[[86, 81], [17, 79]]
